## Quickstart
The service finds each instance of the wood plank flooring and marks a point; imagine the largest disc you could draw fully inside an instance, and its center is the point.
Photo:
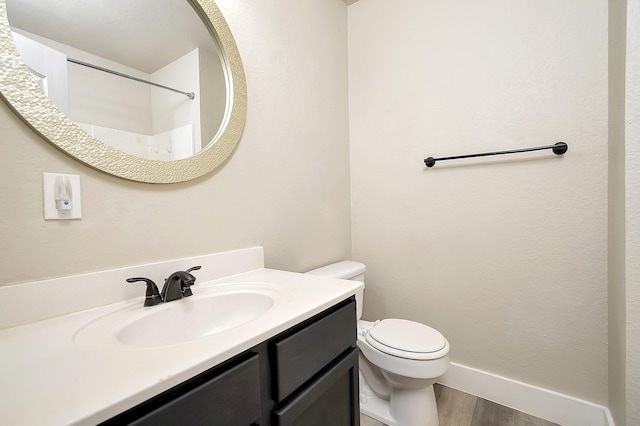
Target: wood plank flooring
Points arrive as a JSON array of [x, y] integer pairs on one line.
[[457, 408]]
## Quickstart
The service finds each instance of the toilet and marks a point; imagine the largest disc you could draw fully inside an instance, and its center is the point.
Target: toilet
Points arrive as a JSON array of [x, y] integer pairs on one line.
[[400, 360]]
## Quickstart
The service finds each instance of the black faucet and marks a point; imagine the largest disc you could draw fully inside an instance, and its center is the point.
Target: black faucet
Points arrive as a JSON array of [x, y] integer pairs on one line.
[[175, 287]]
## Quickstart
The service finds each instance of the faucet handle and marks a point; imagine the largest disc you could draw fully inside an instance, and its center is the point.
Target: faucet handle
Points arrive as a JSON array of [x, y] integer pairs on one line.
[[188, 280], [152, 297]]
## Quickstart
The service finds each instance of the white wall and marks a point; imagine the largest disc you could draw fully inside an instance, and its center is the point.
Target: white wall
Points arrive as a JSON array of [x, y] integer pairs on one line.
[[171, 110], [126, 105], [616, 240], [286, 186], [506, 256], [624, 207], [632, 111]]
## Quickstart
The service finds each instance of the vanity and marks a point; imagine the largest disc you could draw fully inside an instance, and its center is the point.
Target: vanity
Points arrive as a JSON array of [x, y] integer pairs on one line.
[[292, 362], [307, 375]]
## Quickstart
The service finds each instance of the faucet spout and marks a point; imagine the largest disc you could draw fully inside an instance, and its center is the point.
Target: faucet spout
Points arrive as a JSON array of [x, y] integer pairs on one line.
[[172, 289], [178, 285]]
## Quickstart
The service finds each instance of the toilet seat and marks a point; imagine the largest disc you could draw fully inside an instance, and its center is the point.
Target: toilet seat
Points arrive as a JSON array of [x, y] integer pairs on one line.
[[406, 339]]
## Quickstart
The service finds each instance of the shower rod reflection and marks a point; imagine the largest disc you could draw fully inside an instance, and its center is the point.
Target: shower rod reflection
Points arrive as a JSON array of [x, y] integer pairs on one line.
[[190, 95], [558, 148]]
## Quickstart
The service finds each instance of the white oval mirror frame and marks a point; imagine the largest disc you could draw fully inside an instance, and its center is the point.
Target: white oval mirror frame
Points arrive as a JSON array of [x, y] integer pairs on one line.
[[22, 93]]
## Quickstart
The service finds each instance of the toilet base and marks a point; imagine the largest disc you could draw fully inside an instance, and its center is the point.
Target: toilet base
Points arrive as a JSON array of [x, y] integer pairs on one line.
[[414, 407], [378, 408], [406, 407]]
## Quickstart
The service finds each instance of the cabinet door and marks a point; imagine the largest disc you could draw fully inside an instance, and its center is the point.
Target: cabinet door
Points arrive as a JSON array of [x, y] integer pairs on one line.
[[230, 398], [329, 400], [301, 355]]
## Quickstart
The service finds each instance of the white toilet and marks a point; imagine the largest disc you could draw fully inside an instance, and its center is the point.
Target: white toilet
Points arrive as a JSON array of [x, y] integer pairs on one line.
[[400, 360]]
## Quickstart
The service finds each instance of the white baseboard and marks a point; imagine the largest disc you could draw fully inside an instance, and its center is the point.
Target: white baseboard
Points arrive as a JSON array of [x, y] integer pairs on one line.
[[543, 403]]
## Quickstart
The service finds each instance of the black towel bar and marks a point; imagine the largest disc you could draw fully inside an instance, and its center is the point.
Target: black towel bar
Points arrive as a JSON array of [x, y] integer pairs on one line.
[[558, 148]]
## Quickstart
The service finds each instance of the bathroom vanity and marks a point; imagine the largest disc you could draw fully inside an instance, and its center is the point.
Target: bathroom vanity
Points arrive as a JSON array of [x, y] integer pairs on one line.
[[307, 375], [251, 346]]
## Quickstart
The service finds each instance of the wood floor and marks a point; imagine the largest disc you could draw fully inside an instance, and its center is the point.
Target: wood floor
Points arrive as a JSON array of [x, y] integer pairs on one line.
[[457, 408]]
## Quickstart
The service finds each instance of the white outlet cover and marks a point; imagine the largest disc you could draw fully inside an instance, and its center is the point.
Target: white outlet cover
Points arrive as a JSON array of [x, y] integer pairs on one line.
[[48, 191]]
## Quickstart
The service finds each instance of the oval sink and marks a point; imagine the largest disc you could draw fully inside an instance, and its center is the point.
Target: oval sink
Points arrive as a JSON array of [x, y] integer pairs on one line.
[[201, 315], [193, 317]]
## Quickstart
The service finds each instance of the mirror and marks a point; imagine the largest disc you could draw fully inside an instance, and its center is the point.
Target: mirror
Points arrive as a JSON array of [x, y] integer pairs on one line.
[[118, 78], [175, 106]]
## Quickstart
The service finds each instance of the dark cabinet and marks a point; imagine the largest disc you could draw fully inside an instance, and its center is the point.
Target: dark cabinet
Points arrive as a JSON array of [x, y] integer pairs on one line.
[[301, 353], [307, 375], [330, 400], [234, 391]]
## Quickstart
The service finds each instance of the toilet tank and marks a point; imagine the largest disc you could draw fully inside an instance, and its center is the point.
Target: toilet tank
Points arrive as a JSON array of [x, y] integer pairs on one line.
[[346, 270]]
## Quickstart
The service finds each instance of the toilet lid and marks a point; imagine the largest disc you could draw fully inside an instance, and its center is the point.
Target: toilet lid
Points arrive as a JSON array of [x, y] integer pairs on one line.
[[397, 335]]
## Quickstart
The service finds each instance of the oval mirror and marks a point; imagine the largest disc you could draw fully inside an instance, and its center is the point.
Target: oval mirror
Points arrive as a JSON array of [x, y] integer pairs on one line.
[[147, 90]]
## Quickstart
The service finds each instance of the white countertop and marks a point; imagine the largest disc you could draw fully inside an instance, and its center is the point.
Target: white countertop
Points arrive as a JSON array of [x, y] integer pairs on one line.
[[49, 377]]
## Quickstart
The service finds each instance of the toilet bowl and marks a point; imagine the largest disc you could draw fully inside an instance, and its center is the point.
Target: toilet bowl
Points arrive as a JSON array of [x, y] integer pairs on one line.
[[400, 360]]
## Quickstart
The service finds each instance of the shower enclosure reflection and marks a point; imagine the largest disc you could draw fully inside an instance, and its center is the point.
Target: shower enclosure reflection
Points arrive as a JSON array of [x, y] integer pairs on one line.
[[123, 71]]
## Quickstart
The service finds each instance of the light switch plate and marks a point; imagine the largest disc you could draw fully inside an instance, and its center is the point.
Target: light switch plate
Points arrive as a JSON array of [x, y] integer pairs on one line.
[[48, 191]]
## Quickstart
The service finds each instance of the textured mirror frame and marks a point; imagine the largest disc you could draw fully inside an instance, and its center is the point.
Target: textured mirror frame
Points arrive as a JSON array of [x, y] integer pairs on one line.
[[21, 92]]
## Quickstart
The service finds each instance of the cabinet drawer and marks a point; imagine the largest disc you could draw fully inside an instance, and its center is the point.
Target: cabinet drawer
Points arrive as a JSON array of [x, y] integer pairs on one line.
[[329, 400], [232, 398], [301, 355]]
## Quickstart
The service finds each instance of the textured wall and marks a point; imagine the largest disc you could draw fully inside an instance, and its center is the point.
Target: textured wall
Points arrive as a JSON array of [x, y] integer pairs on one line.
[[633, 212], [616, 300], [506, 256], [286, 186]]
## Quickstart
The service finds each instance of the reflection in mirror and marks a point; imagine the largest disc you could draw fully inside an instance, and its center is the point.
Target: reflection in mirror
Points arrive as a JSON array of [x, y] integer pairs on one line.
[[25, 96], [143, 76]]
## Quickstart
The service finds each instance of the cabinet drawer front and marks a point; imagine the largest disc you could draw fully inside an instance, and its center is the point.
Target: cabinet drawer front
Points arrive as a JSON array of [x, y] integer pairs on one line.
[[304, 353], [232, 398], [329, 400]]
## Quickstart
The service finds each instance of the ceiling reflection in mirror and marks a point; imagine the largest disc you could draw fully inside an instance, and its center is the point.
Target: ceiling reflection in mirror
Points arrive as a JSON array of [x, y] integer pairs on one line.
[[144, 76]]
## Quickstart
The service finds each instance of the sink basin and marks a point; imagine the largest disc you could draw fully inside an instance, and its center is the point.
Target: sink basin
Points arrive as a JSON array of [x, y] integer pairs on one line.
[[201, 315], [193, 317]]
